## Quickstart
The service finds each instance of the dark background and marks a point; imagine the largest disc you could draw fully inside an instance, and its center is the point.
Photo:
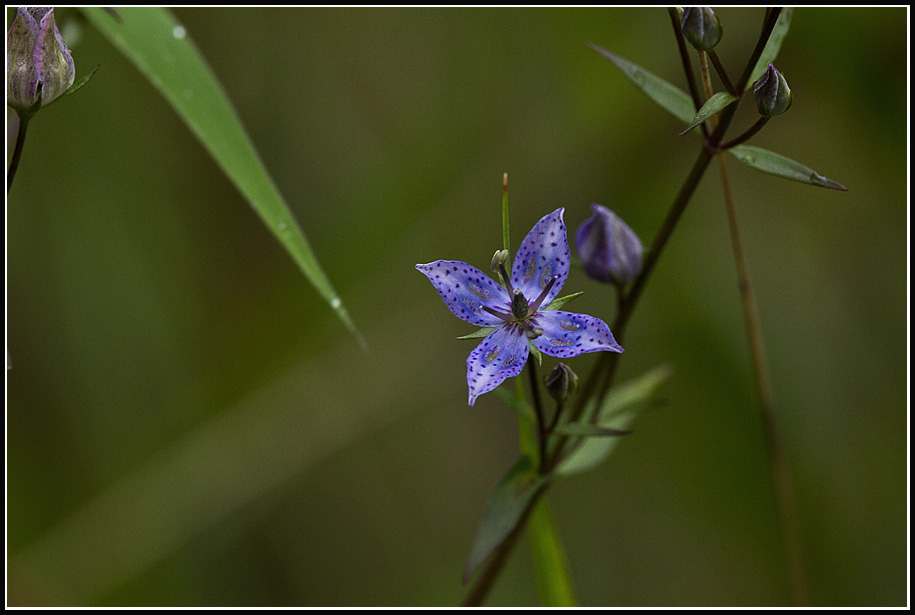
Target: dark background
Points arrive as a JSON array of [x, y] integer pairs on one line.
[[189, 424]]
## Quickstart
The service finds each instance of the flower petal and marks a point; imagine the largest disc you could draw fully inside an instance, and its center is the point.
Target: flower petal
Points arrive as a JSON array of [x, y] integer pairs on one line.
[[501, 355], [465, 290], [543, 254], [567, 334]]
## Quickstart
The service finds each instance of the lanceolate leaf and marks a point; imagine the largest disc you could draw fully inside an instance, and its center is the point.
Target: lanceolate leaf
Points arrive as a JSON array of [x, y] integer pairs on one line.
[[579, 429], [712, 106], [620, 408], [668, 96], [160, 48], [504, 510], [73, 88], [558, 302], [520, 406], [774, 44], [478, 334], [776, 164]]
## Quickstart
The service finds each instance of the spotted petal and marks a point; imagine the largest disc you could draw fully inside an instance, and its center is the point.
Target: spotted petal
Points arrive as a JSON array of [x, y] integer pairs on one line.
[[502, 354], [543, 254], [567, 334], [465, 290]]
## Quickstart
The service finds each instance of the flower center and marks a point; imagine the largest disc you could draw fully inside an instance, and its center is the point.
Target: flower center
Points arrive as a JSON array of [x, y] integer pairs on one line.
[[519, 305]]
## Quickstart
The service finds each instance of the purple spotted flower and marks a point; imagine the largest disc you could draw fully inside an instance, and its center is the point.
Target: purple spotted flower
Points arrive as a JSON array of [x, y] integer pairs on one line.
[[517, 312]]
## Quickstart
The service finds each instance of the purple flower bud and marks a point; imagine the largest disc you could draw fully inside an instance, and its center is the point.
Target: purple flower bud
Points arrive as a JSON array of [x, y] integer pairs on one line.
[[561, 383], [39, 65], [701, 27], [609, 250], [773, 97]]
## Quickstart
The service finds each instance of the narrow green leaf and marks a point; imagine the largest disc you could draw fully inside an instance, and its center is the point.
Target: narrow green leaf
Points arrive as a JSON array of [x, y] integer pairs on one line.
[[671, 98], [504, 510], [712, 106], [535, 352], [774, 44], [558, 302], [550, 564], [584, 429], [518, 405], [776, 164], [73, 88], [483, 332], [621, 406], [161, 49]]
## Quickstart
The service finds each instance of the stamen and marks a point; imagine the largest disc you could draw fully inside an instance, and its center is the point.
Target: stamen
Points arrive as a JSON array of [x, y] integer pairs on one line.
[[508, 284], [546, 289], [497, 314]]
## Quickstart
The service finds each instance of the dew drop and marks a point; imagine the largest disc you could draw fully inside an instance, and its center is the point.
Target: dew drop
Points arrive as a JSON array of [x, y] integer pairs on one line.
[[179, 32]]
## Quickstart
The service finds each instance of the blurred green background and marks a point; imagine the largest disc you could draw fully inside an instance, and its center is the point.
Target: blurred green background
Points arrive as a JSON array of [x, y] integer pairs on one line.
[[188, 423]]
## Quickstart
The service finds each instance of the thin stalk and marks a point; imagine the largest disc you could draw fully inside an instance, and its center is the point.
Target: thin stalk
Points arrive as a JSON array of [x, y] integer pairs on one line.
[[17, 150], [719, 68], [505, 236], [752, 130], [538, 412], [493, 566], [778, 464], [768, 25]]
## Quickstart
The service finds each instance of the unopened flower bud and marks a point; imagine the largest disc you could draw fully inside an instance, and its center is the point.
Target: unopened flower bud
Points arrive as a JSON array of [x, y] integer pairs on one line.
[[701, 27], [609, 250], [561, 383], [772, 94], [39, 65]]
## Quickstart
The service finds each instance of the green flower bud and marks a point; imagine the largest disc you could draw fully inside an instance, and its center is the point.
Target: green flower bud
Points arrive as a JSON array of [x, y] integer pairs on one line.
[[701, 27], [561, 383], [772, 94], [39, 65]]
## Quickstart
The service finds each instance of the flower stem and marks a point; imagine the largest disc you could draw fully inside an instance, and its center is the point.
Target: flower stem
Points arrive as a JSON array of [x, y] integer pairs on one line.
[[719, 68], [752, 130], [17, 151], [505, 236], [538, 411]]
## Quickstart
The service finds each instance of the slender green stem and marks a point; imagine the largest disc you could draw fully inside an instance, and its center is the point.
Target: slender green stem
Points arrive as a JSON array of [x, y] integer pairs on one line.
[[538, 412], [719, 68], [768, 25], [752, 130], [505, 236], [550, 562], [17, 150], [778, 463], [559, 406], [495, 563]]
